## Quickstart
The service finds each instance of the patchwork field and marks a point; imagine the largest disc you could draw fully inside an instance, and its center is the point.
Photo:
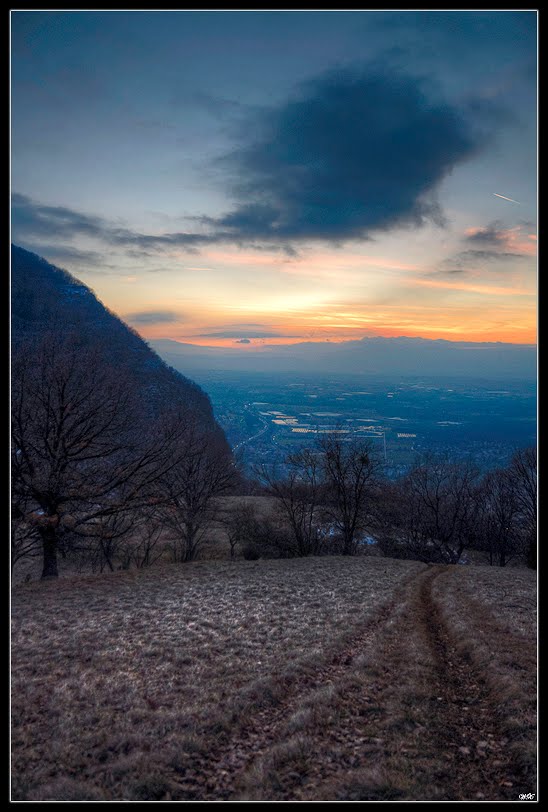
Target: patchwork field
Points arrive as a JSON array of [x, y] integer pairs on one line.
[[304, 679]]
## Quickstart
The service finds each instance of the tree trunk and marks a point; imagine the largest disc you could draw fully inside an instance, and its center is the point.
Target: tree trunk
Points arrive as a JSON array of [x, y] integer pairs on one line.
[[49, 547], [532, 553], [348, 544]]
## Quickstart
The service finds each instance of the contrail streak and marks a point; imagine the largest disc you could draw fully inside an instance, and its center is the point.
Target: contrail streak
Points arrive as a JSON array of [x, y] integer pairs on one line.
[[507, 198]]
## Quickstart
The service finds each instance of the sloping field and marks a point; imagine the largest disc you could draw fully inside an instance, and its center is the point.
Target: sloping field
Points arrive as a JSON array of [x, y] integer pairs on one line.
[[326, 678]]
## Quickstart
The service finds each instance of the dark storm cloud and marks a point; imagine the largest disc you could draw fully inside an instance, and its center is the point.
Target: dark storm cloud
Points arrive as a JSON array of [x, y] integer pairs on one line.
[[354, 153], [32, 221], [153, 317]]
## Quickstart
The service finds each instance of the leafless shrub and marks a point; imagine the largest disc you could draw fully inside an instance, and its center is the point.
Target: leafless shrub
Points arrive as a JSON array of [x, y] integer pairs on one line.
[[431, 514], [149, 787], [187, 491], [370, 785], [299, 495], [501, 533], [523, 474], [350, 472]]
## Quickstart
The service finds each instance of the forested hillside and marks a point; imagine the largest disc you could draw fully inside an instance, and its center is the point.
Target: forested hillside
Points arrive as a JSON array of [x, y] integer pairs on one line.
[[48, 299], [108, 442]]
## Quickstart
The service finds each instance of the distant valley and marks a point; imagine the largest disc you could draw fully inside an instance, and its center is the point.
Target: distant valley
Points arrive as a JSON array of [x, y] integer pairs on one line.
[[265, 416]]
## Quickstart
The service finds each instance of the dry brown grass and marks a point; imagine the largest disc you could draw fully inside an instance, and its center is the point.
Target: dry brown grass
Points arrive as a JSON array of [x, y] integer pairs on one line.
[[491, 615], [122, 684], [304, 679], [508, 593], [446, 708]]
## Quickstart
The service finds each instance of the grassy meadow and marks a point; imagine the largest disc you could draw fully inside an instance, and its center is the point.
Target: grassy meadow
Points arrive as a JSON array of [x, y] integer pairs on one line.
[[295, 679]]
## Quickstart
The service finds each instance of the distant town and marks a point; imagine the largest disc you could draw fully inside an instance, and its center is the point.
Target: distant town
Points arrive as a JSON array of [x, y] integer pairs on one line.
[[264, 418]]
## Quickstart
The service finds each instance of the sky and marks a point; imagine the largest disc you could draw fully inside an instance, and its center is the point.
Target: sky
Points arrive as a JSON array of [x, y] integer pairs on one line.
[[246, 178]]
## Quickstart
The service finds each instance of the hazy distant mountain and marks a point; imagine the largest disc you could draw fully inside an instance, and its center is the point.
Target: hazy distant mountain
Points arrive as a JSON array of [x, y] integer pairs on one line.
[[380, 356], [45, 297]]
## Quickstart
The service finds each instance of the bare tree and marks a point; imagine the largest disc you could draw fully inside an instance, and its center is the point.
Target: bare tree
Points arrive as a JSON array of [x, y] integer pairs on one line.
[[523, 472], [350, 473], [299, 494], [498, 517], [254, 534], [203, 470], [147, 546], [402, 530], [80, 454], [238, 522], [104, 541], [436, 515]]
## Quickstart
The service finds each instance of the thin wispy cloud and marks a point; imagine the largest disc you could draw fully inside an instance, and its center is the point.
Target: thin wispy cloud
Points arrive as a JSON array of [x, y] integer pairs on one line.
[[493, 247], [145, 317], [490, 290], [515, 241], [244, 334]]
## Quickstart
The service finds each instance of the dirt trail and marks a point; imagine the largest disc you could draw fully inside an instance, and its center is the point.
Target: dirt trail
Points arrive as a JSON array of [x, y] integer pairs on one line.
[[461, 726], [398, 714]]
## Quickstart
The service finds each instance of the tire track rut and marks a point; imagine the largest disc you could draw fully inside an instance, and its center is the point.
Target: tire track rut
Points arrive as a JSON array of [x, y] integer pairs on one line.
[[400, 713]]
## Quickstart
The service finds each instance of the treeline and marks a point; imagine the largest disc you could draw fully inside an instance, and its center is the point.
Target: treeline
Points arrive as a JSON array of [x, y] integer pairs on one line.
[[334, 499], [99, 477], [96, 473]]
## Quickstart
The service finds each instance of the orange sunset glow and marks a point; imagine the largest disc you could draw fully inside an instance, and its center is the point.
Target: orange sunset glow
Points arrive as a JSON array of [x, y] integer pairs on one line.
[[248, 299], [327, 196]]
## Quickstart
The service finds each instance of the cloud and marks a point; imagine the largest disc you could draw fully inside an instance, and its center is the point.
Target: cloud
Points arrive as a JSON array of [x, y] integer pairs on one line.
[[353, 153], [243, 341], [492, 234], [490, 245], [31, 220], [473, 256], [153, 317], [37, 220], [447, 271], [500, 240], [244, 334], [66, 253]]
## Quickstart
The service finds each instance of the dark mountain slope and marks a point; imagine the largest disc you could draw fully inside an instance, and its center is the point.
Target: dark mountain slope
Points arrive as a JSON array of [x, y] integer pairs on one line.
[[46, 298]]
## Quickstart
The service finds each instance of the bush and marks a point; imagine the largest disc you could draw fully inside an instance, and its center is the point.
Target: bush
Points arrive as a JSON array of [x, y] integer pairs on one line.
[[250, 552]]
